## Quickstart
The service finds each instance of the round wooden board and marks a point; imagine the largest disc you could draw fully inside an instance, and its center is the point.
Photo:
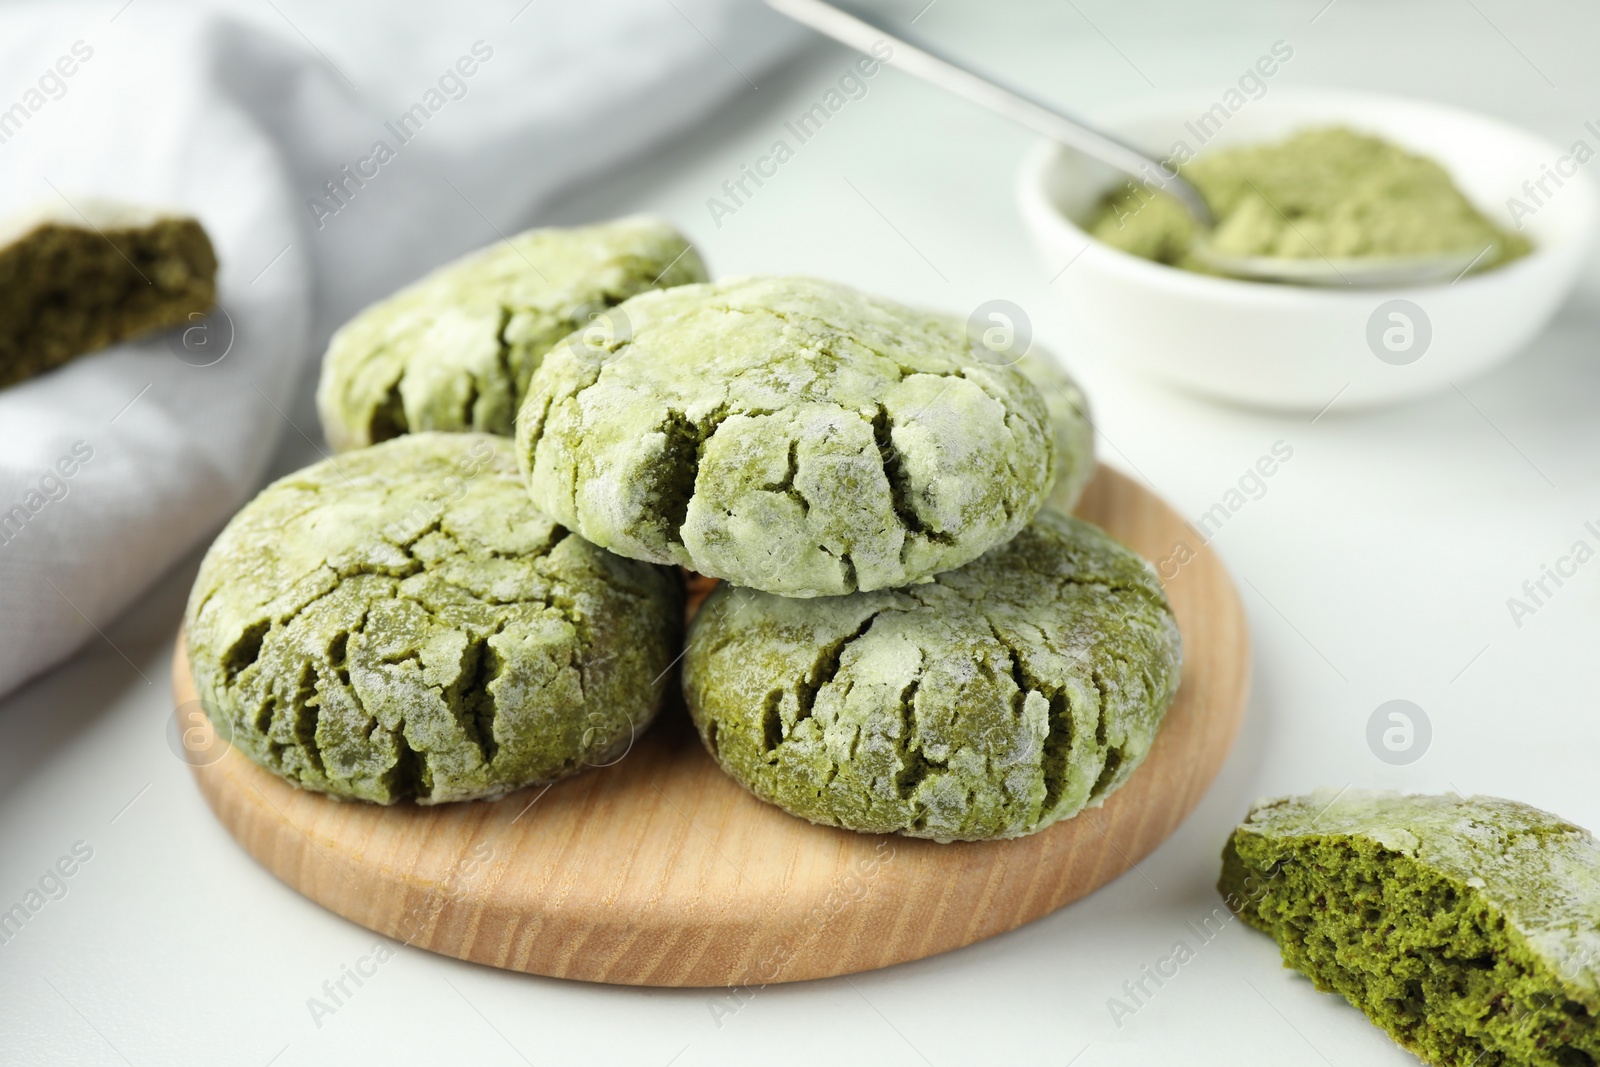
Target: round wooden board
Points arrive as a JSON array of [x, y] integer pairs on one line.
[[659, 870]]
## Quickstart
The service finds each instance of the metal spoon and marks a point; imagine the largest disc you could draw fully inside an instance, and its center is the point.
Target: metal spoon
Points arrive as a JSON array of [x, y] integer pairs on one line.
[[859, 31]]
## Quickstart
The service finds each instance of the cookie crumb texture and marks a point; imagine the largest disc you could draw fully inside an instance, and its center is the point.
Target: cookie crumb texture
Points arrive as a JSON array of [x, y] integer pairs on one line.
[[988, 703], [787, 434], [1468, 928], [454, 351], [70, 285], [400, 622]]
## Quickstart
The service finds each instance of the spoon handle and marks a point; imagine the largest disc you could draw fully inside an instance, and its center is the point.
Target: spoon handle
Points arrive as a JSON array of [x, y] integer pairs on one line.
[[859, 32]]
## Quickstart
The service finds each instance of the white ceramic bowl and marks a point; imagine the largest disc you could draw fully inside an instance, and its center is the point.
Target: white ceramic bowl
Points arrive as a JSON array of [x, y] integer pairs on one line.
[[1293, 347]]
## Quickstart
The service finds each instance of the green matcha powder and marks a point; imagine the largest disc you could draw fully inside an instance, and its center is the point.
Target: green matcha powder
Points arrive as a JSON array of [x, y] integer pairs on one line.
[[1329, 192]]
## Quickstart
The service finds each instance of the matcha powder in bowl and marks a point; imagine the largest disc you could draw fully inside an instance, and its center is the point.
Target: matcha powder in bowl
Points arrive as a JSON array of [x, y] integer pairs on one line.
[[1327, 192]]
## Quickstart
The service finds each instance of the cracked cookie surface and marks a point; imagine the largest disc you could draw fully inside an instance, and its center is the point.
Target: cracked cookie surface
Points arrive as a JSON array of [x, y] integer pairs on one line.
[[400, 621], [987, 703], [1468, 928], [455, 350], [787, 434]]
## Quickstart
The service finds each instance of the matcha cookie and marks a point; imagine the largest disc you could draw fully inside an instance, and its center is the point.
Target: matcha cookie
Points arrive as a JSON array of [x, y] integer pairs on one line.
[[71, 283], [454, 351], [1468, 928], [400, 622], [990, 702], [1069, 417], [787, 434]]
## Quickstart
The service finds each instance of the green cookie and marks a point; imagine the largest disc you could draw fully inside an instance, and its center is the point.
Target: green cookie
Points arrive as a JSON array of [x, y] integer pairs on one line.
[[1466, 927], [454, 351], [72, 283], [991, 702], [400, 622], [1074, 433], [787, 434]]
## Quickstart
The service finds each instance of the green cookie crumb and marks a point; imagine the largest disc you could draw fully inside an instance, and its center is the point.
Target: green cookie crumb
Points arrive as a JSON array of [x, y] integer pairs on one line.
[[71, 283], [1467, 928]]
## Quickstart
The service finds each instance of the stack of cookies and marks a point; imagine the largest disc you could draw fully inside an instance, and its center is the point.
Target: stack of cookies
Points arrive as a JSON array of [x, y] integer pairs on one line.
[[485, 589]]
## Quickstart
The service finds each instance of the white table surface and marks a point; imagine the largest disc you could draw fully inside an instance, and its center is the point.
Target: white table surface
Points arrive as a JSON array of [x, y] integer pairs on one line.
[[1376, 566]]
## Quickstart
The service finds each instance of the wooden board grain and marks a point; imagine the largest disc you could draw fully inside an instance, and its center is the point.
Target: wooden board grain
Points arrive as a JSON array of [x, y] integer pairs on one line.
[[659, 870]]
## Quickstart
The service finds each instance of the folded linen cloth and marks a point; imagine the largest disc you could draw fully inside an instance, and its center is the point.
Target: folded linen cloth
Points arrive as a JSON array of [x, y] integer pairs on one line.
[[333, 152]]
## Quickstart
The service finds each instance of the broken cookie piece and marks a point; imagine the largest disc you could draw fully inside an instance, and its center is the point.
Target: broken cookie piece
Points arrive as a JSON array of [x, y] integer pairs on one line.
[[400, 622], [454, 351], [991, 702], [72, 283], [787, 434], [1468, 928]]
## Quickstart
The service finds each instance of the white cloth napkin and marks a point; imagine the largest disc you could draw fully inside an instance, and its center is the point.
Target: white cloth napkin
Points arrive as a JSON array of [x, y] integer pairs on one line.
[[120, 461]]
